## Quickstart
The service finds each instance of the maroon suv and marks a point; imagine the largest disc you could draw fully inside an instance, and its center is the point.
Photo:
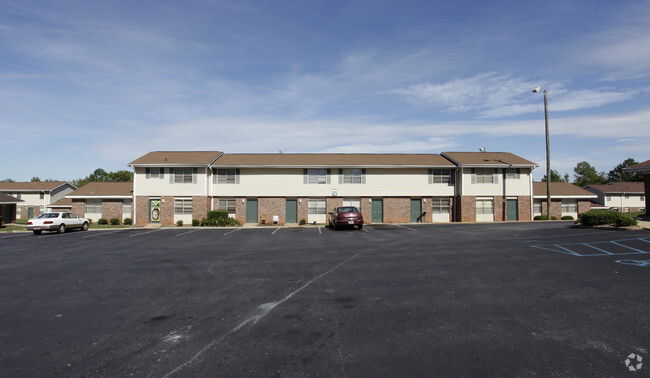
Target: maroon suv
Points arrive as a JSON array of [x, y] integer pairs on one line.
[[345, 216]]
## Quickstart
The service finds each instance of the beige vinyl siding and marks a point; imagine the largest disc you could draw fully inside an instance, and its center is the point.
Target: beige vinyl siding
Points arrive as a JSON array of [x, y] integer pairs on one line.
[[163, 187], [513, 186]]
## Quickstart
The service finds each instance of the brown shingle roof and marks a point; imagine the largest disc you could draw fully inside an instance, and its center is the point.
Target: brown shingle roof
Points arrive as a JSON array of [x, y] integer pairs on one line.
[[104, 189], [39, 186], [488, 159], [560, 189], [5, 199], [333, 160], [63, 202], [619, 187], [641, 167], [167, 158]]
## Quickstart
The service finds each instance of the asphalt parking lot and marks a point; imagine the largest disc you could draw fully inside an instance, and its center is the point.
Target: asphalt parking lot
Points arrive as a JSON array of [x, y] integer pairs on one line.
[[508, 299]]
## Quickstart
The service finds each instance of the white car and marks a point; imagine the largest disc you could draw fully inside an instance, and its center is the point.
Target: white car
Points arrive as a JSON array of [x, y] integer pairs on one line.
[[58, 222]]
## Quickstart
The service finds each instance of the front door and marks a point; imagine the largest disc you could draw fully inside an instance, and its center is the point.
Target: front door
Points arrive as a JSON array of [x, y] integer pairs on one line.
[[154, 211], [30, 212], [416, 209], [251, 210], [513, 213], [292, 210], [377, 211]]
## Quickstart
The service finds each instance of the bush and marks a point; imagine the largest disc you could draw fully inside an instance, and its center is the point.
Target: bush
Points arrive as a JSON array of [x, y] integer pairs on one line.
[[114, 221], [102, 221], [219, 222], [624, 221], [195, 222], [128, 221], [302, 222], [545, 217], [217, 214], [599, 217], [567, 217], [179, 223]]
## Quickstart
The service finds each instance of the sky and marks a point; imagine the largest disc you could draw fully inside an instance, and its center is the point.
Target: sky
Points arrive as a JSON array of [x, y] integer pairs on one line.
[[97, 84]]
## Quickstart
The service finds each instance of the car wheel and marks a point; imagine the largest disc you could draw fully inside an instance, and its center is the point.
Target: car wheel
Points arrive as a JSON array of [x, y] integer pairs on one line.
[[37, 232], [84, 227], [360, 226], [61, 229]]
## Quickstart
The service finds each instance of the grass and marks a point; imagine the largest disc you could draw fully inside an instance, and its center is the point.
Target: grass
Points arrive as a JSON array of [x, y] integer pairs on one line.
[[12, 228]]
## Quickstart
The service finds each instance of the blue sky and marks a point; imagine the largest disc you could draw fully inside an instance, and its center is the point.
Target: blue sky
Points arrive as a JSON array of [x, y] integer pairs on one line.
[[96, 84]]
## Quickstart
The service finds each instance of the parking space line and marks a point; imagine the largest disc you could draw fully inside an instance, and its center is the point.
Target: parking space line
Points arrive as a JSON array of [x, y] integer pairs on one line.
[[235, 230], [144, 233], [365, 229], [628, 247], [319, 231], [98, 233], [408, 228], [276, 230], [596, 248], [189, 232]]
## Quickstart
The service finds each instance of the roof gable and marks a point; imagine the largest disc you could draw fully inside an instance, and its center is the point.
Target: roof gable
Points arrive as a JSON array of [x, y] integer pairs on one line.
[[7, 199], [488, 159]]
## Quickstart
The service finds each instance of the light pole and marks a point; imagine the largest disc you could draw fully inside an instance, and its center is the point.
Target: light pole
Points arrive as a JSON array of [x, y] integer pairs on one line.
[[548, 154]]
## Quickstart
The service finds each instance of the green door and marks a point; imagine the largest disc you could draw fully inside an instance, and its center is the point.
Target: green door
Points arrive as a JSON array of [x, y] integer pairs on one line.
[[513, 213], [377, 211], [292, 210], [30, 212], [154, 211], [251, 210], [416, 209]]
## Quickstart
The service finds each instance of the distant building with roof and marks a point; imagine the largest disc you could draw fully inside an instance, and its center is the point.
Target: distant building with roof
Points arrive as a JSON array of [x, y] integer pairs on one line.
[[566, 199], [36, 196], [622, 196]]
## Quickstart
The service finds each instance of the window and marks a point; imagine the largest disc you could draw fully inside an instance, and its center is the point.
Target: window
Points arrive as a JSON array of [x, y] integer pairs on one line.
[[609, 198], [352, 176], [627, 196], [226, 176], [484, 176], [484, 206], [126, 208], [356, 202], [513, 173], [537, 207], [626, 209], [317, 176], [41, 196], [183, 175], [94, 206], [642, 198], [569, 206], [18, 195], [440, 205], [441, 176], [182, 206], [227, 204], [155, 173], [317, 206]]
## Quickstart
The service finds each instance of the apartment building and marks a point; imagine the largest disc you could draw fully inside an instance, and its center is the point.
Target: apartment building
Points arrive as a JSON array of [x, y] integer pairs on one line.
[[566, 199], [285, 188], [97, 200], [35, 196], [622, 196]]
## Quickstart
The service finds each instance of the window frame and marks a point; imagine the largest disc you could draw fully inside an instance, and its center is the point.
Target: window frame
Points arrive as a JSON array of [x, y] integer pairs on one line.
[[183, 206], [319, 209], [483, 208], [230, 176], [227, 206], [92, 204], [439, 204]]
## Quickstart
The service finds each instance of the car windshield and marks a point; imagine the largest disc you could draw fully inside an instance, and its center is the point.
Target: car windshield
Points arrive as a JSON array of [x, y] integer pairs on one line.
[[48, 215], [349, 209]]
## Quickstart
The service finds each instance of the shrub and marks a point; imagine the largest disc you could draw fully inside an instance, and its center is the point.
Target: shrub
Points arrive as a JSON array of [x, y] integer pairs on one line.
[[102, 221], [217, 214], [567, 217], [545, 217], [90, 221], [114, 221], [624, 221], [599, 217], [195, 222], [302, 222], [179, 223], [128, 221], [219, 222]]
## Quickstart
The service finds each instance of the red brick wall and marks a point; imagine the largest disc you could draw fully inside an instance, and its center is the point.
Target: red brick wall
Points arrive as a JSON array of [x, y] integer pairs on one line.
[[79, 208], [112, 208], [466, 208], [200, 207], [583, 206], [303, 208], [523, 204], [167, 211], [268, 207], [366, 209], [141, 207], [397, 210], [499, 209], [240, 209]]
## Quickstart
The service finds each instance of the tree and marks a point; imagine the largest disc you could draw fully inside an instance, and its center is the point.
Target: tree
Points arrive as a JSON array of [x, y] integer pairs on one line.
[[585, 174], [555, 177], [7, 180], [619, 175], [103, 176], [36, 179]]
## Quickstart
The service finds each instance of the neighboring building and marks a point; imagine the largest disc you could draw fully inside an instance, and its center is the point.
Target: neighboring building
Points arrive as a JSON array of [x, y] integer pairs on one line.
[[97, 200], [36, 196], [388, 188], [644, 169], [621, 196], [493, 186], [8, 206], [566, 199]]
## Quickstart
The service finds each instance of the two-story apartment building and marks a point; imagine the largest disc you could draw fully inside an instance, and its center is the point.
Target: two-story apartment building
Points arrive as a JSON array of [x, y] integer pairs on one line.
[[36, 196], [97, 200], [388, 188], [622, 196]]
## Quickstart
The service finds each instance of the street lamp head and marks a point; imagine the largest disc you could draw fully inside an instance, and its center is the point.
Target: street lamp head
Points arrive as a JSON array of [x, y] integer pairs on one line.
[[537, 89]]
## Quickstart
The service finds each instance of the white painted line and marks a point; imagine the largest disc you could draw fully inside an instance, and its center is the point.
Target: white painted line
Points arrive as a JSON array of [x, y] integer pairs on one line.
[[189, 232], [408, 228], [235, 230], [365, 229], [144, 233], [98, 233], [276, 230], [319, 231]]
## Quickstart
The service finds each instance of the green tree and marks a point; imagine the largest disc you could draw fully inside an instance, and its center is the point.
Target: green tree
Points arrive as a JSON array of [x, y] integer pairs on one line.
[[7, 180], [555, 177], [619, 175], [585, 174], [36, 179], [103, 176]]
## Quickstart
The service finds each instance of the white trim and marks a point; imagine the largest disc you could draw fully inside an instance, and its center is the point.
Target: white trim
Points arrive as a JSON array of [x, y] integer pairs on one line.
[[331, 166], [108, 197], [565, 197]]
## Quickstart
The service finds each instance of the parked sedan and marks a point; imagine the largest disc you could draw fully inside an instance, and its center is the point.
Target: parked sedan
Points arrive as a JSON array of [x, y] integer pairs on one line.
[[345, 216], [58, 222]]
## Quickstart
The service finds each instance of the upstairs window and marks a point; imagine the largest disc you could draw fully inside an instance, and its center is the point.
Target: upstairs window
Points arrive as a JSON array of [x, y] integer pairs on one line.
[[316, 176], [441, 176], [485, 176], [154, 173], [182, 175], [513, 173], [41, 195], [225, 176], [352, 176]]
